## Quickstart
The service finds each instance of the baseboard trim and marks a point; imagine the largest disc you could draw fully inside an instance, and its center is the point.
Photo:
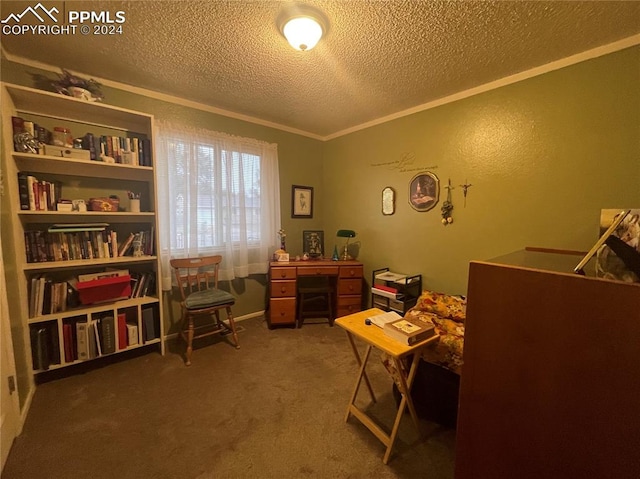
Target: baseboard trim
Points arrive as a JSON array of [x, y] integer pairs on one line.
[[172, 336]]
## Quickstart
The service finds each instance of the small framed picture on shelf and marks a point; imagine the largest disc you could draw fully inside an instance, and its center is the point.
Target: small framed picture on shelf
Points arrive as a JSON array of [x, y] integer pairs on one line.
[[313, 243], [301, 201]]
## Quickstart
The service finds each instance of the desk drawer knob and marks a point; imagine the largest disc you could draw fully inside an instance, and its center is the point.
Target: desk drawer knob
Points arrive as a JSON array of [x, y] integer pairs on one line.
[[283, 290], [283, 274]]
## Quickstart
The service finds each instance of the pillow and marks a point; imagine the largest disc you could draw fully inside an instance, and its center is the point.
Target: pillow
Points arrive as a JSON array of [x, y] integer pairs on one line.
[[443, 305]]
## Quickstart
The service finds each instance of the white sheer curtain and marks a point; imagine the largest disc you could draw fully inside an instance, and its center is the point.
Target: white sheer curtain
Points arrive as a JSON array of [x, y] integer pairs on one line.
[[217, 194]]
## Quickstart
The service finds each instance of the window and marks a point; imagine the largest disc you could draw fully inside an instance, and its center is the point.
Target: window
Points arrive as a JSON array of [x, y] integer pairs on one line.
[[218, 194]]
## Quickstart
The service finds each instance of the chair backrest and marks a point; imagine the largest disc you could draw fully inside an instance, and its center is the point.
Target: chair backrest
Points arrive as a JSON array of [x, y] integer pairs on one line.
[[196, 274]]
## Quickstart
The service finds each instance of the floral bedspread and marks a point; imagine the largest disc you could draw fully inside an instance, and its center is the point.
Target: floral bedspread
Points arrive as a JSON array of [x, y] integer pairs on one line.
[[448, 314]]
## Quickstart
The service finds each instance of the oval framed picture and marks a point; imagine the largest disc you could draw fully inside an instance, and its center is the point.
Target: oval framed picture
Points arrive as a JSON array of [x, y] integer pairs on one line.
[[388, 201], [424, 191]]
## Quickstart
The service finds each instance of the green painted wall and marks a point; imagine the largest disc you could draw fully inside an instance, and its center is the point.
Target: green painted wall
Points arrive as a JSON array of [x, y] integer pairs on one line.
[[544, 156]]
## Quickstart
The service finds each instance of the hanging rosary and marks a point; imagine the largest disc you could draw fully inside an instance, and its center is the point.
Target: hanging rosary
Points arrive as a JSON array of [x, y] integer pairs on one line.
[[447, 206]]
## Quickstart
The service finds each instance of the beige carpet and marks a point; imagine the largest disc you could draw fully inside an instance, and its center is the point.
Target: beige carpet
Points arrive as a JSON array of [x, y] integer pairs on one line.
[[272, 409]]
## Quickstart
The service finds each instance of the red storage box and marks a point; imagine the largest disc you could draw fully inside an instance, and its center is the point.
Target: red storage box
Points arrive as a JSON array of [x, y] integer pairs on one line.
[[105, 289]]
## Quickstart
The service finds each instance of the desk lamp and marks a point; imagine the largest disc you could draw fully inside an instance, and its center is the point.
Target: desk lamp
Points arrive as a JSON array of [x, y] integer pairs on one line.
[[346, 234]]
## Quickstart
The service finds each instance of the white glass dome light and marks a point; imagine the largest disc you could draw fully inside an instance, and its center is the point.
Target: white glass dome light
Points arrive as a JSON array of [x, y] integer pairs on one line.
[[303, 33], [302, 25]]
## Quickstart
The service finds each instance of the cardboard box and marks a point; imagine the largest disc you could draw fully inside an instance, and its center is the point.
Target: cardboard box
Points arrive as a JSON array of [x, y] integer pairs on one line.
[[105, 289], [64, 152]]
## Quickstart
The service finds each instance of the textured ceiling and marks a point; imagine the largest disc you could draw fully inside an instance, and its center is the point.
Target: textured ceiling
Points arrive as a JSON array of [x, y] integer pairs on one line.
[[378, 58]]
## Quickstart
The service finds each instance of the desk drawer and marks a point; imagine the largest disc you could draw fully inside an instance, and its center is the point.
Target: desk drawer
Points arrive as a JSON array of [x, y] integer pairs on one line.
[[349, 286], [281, 289], [282, 311], [318, 270], [283, 273], [351, 271], [348, 305]]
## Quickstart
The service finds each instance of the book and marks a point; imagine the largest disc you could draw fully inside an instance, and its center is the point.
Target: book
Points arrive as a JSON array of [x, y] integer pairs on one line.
[[409, 330], [68, 342], [39, 349], [126, 244], [386, 293], [148, 324], [132, 334], [95, 349], [82, 339], [108, 334], [122, 331], [383, 287], [103, 274], [381, 319], [23, 190]]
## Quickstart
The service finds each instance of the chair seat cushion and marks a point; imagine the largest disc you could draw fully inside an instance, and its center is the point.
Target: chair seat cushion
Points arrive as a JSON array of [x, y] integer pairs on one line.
[[208, 298]]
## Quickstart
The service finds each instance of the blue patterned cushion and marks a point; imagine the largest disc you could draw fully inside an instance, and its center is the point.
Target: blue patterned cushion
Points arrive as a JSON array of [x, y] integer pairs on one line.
[[207, 298]]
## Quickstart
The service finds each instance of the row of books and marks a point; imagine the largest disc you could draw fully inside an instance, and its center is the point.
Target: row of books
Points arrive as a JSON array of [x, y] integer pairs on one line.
[[89, 338], [60, 244], [47, 296], [143, 284], [124, 150], [132, 150], [38, 195]]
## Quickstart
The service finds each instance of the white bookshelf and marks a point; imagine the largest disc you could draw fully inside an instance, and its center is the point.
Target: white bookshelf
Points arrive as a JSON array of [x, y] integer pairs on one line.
[[79, 179]]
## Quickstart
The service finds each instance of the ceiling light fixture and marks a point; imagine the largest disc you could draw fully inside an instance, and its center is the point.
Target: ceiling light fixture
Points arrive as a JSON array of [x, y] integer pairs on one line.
[[303, 26]]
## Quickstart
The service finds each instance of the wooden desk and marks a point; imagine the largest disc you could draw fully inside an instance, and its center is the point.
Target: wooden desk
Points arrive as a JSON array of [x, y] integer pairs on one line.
[[347, 276], [375, 338]]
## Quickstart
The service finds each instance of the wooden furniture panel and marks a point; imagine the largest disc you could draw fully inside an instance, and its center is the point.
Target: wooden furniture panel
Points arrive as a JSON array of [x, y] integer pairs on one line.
[[351, 271], [348, 305], [317, 270], [349, 286], [282, 311], [281, 289], [282, 273], [346, 276], [551, 379]]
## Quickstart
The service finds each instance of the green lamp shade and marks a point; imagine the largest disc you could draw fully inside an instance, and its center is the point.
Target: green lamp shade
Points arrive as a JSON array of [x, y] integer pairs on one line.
[[346, 234]]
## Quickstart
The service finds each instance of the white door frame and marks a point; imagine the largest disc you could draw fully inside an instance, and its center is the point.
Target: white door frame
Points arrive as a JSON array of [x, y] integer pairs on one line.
[[10, 420]]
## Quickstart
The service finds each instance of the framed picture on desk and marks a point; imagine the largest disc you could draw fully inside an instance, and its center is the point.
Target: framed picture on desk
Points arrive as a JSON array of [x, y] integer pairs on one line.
[[301, 201], [313, 243]]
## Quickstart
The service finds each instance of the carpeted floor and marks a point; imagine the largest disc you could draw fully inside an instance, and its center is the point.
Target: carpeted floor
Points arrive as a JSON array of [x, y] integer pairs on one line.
[[273, 409]]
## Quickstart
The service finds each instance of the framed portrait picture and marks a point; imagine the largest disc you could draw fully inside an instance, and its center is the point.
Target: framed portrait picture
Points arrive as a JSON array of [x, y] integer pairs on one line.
[[313, 243], [301, 201], [424, 191]]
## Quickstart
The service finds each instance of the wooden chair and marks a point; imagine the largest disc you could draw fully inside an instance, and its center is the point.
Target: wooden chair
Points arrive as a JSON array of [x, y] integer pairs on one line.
[[198, 282]]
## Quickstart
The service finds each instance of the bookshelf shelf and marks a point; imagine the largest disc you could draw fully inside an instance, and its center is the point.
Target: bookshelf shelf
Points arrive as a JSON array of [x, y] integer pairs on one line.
[[87, 263], [48, 320], [76, 167], [392, 291]]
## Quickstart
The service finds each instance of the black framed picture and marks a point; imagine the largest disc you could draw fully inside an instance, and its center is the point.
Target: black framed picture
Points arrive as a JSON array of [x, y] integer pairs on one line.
[[424, 191], [313, 243], [301, 201]]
